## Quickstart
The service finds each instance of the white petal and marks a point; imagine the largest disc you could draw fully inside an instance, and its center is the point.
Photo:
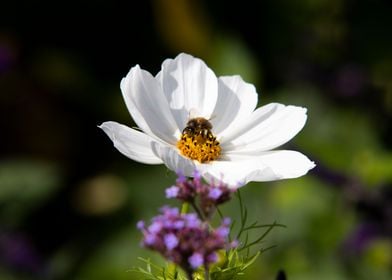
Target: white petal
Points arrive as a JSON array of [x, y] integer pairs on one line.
[[236, 102], [148, 105], [269, 166], [188, 84], [131, 143], [173, 160], [267, 128]]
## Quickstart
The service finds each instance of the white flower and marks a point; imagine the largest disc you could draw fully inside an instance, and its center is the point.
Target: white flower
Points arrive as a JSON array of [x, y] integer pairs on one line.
[[239, 146]]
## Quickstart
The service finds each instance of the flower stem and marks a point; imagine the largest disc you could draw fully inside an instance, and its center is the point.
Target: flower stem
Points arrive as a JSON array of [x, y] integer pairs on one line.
[[185, 208], [197, 210], [206, 273], [190, 275]]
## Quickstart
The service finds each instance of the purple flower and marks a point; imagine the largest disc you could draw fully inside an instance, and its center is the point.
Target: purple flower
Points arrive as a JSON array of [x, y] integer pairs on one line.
[[223, 231], [212, 258], [172, 192], [149, 239], [155, 227], [140, 225], [180, 178], [185, 239], [196, 175], [196, 260], [215, 193], [192, 221], [226, 221], [179, 224], [234, 244], [167, 211], [204, 196], [171, 241]]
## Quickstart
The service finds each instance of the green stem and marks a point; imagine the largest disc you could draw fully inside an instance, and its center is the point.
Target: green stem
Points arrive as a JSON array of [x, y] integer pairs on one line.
[[190, 276], [206, 273], [185, 208], [197, 210]]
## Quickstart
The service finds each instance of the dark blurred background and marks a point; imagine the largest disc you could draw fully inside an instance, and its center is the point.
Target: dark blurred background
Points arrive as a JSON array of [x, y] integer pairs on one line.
[[69, 200]]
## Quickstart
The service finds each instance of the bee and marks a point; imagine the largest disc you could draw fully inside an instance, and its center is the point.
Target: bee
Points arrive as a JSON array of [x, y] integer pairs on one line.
[[198, 127]]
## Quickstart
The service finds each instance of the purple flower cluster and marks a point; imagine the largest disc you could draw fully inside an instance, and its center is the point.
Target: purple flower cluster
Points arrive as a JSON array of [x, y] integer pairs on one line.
[[184, 239], [203, 197]]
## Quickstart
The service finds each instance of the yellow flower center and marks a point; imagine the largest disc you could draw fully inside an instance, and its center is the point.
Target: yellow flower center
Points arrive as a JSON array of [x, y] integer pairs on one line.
[[197, 141]]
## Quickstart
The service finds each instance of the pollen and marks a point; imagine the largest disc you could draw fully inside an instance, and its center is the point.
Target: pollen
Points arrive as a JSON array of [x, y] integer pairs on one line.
[[202, 147]]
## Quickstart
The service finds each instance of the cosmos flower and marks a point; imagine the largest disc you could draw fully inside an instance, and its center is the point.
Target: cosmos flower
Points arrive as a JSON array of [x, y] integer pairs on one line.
[[191, 120]]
